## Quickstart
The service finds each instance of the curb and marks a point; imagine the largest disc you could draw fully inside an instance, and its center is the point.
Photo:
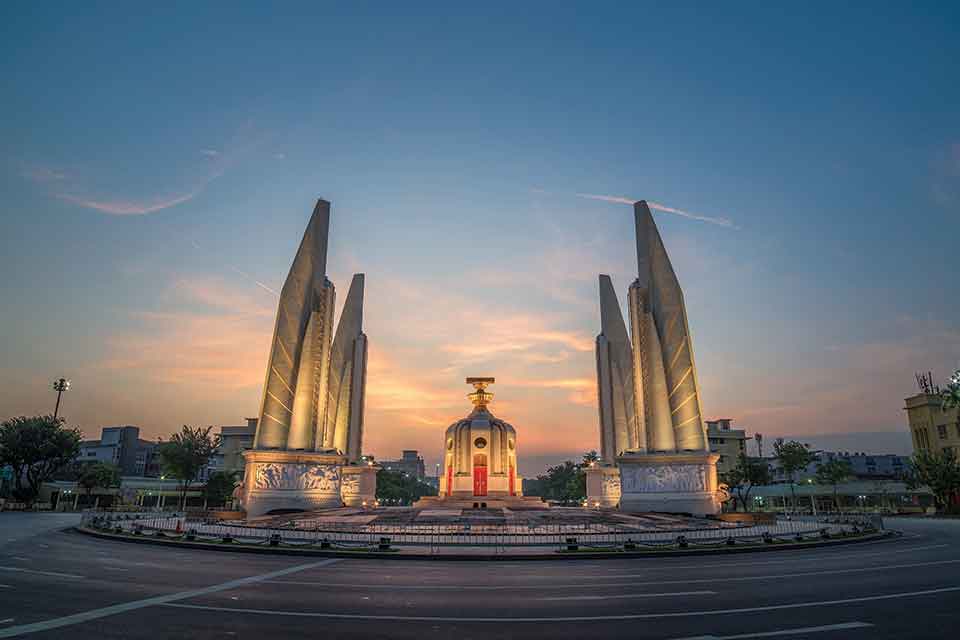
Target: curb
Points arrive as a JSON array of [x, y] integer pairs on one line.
[[394, 555]]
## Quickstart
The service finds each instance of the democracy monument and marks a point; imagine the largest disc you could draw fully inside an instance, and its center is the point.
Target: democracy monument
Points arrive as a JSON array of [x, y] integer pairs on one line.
[[306, 451], [655, 455]]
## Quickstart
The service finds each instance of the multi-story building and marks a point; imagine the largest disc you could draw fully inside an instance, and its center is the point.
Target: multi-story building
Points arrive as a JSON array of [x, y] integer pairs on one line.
[[931, 428], [233, 441], [863, 466], [410, 463], [726, 441], [120, 446]]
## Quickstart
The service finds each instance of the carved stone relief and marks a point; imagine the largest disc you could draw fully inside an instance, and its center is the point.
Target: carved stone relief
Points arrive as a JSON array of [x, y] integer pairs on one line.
[[297, 477], [663, 478]]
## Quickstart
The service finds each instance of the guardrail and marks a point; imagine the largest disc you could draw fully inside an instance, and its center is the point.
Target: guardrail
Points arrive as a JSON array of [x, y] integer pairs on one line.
[[570, 537]]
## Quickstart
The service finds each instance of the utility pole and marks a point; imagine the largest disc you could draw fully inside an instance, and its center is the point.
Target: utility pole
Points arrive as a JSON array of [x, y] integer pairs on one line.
[[759, 438], [59, 385]]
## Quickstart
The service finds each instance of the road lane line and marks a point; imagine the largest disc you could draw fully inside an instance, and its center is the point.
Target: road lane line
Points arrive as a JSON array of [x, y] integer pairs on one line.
[[6, 620], [5, 586], [517, 587], [42, 573], [93, 614], [633, 595], [843, 626], [613, 618], [819, 557]]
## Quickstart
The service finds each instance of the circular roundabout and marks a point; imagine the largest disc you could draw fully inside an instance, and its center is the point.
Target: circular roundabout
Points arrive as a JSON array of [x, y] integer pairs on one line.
[[60, 582]]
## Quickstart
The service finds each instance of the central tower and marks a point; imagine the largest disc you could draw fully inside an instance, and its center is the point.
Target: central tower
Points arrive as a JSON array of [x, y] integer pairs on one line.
[[480, 452]]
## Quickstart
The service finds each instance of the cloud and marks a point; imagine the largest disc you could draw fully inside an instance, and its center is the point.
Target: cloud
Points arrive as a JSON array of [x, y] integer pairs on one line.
[[198, 175], [723, 222], [583, 391], [129, 207], [946, 175], [220, 346], [42, 174]]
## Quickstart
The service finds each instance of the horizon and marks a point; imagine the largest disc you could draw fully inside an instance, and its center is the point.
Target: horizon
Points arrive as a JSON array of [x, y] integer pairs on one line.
[[808, 198]]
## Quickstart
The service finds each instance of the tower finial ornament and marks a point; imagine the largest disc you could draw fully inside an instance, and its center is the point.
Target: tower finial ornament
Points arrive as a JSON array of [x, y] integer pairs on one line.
[[481, 397]]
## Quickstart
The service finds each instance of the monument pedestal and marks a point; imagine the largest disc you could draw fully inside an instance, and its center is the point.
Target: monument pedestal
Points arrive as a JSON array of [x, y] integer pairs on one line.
[[358, 485], [603, 486], [683, 482], [300, 480]]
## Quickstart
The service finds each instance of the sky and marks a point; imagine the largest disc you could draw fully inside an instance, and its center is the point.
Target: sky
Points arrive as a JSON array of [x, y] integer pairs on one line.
[[158, 165]]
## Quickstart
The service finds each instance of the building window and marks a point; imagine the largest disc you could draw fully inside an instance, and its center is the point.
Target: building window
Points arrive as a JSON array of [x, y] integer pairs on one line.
[[942, 431]]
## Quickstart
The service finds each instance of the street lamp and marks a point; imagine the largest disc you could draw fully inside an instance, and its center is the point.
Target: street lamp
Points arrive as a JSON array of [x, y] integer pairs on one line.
[[59, 385]]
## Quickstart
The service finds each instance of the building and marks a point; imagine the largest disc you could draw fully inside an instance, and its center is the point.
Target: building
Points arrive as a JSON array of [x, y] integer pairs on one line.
[[655, 454], [863, 466], [410, 462], [234, 440], [870, 496], [931, 428], [727, 442], [122, 446]]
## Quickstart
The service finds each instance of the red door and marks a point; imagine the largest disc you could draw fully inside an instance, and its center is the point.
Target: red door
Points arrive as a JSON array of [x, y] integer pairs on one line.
[[479, 475], [449, 479]]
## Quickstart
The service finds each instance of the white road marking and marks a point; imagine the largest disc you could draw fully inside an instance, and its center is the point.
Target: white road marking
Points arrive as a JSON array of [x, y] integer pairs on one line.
[[19, 558], [723, 565], [6, 620], [843, 626], [55, 574], [540, 587], [634, 595], [93, 614], [628, 616], [5, 586]]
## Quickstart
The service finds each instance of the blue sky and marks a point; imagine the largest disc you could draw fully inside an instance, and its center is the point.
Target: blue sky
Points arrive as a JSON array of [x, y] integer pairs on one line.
[[157, 163]]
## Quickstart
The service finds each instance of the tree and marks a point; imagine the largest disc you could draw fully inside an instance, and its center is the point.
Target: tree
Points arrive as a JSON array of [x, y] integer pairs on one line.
[[98, 474], [793, 456], [185, 455], [744, 477], [590, 458], [565, 482], [396, 487], [833, 472], [950, 396], [220, 486], [36, 448], [940, 472]]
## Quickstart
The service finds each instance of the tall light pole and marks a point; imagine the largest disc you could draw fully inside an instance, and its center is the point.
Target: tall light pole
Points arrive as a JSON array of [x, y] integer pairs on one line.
[[59, 385], [759, 438]]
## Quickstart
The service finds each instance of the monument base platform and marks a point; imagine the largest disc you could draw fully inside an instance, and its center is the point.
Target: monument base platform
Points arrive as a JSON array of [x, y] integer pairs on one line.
[[490, 502], [683, 482], [302, 481], [603, 486]]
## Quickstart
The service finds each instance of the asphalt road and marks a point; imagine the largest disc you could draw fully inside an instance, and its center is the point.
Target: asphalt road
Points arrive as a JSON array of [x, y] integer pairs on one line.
[[56, 584]]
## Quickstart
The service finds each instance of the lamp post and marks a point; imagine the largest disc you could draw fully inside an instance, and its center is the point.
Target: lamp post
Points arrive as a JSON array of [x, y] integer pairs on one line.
[[59, 385]]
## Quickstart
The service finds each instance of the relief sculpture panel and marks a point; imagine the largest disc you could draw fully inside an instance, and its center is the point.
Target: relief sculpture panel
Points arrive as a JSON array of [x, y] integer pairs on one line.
[[664, 478], [297, 477]]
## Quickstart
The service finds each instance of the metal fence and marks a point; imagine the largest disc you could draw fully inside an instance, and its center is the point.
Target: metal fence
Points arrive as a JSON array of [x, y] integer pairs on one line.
[[495, 536]]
